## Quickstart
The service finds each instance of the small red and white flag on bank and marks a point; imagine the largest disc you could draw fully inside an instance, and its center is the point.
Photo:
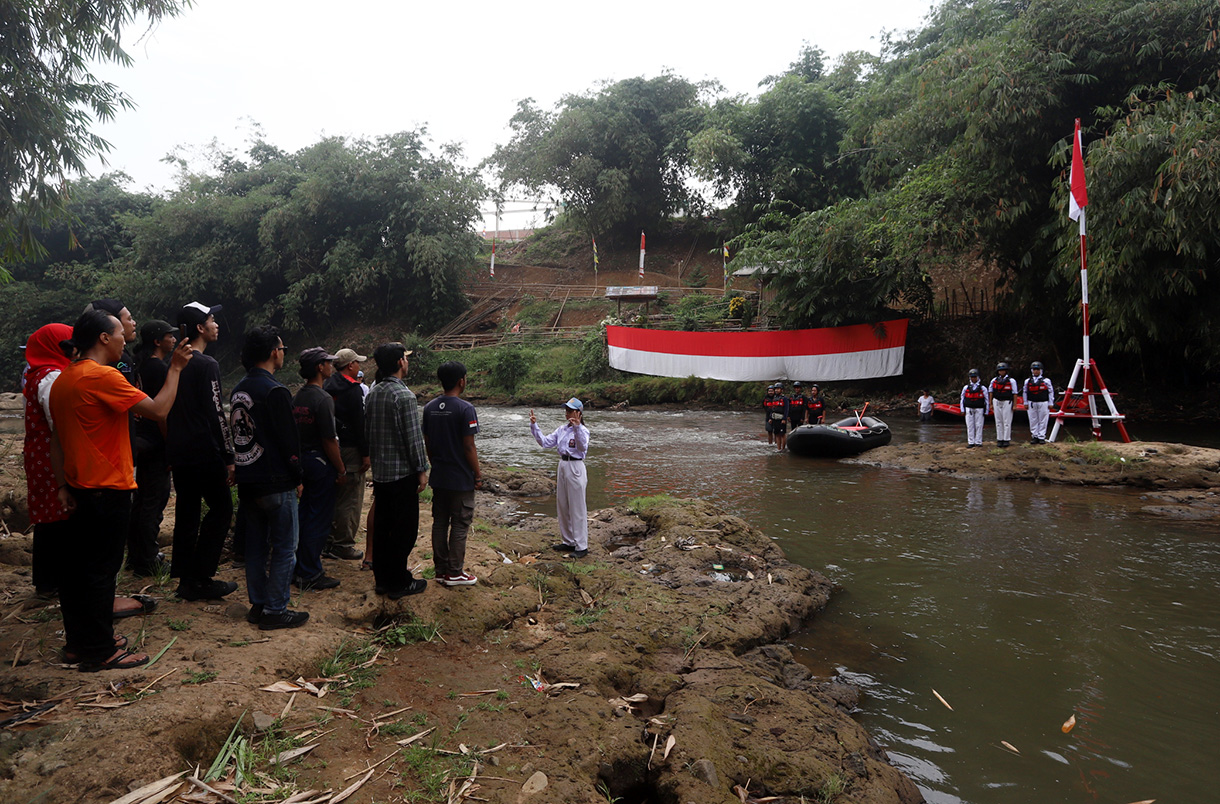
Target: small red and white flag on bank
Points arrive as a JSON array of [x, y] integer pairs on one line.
[[1078, 198], [829, 354], [641, 255]]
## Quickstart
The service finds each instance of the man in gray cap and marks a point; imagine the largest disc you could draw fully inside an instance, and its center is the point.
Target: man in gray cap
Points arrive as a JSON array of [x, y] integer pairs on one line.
[[348, 392]]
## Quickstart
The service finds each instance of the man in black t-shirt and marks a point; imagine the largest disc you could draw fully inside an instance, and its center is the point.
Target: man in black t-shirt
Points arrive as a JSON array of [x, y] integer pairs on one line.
[[449, 426], [157, 341], [200, 449]]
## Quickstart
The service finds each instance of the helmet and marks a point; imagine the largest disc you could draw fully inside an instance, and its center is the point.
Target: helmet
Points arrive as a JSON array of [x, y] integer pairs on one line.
[[974, 372], [796, 384], [1001, 367], [1037, 364], [815, 387]]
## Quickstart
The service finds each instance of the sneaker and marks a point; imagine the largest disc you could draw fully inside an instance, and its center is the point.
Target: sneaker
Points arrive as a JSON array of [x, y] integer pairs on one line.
[[563, 547], [413, 587], [239, 561], [461, 579], [255, 614], [323, 581], [285, 619], [344, 552], [208, 590], [579, 553]]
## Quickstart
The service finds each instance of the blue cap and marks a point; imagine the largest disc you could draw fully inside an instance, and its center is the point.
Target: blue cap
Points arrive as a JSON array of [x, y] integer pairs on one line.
[[574, 404]]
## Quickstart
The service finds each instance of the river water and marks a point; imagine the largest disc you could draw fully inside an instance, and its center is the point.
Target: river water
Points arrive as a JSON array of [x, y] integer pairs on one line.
[[1020, 603]]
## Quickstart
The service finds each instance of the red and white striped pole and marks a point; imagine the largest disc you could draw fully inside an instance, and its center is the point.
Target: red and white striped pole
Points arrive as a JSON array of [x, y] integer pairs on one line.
[[641, 255]]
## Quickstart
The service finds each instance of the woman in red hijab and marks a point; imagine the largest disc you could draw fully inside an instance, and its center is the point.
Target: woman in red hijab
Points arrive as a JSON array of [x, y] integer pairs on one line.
[[46, 360]]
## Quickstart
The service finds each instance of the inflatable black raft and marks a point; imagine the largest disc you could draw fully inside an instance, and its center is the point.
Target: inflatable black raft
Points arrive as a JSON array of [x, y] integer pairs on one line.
[[847, 437]]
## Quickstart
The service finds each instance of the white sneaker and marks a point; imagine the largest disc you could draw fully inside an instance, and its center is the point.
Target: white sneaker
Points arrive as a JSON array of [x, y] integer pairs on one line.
[[461, 579]]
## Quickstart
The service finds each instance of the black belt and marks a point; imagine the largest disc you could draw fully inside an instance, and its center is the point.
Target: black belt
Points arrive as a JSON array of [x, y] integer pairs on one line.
[[569, 458]]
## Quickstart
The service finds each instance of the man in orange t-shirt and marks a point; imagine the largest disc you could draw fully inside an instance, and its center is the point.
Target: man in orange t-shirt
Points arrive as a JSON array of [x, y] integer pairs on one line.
[[96, 442], [91, 458]]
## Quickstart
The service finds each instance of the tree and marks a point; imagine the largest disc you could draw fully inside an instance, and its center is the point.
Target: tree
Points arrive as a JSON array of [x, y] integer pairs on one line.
[[49, 99], [617, 159]]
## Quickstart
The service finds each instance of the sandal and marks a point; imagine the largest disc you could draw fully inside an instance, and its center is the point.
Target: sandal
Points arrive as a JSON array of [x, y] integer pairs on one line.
[[121, 660], [120, 643], [147, 606]]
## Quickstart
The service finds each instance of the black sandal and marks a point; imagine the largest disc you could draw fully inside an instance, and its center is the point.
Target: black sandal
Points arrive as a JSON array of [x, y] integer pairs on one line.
[[120, 643], [123, 660], [147, 606]]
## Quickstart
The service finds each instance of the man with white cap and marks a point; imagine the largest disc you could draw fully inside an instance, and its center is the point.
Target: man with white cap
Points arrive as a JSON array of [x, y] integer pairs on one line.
[[571, 441], [199, 447], [348, 392]]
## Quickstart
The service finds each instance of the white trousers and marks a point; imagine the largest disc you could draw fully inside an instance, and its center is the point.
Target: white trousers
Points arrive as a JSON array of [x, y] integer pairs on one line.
[[1002, 408], [570, 481], [974, 425], [1039, 415]]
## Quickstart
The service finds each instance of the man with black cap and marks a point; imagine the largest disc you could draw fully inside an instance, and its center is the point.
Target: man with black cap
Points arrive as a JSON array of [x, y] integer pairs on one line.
[[400, 472], [199, 447], [1038, 394], [157, 342], [796, 406], [974, 404], [321, 464], [348, 392]]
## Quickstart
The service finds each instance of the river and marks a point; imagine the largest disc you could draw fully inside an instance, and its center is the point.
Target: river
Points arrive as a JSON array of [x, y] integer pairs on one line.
[[1021, 604]]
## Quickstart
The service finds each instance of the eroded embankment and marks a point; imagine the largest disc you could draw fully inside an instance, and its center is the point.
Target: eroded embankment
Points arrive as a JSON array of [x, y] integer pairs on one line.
[[664, 637]]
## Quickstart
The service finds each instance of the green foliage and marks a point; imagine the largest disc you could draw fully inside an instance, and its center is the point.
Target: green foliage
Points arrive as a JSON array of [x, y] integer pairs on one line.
[[1154, 194], [49, 101], [296, 238], [617, 158], [406, 631], [509, 366]]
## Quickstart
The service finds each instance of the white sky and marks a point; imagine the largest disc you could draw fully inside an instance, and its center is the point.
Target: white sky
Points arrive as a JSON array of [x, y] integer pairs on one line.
[[303, 69]]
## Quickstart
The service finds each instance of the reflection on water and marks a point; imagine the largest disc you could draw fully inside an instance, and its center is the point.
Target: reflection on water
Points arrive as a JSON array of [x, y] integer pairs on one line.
[[1020, 603]]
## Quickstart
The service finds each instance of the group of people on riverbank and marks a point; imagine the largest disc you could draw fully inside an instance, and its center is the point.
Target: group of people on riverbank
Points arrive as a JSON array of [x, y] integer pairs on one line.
[[783, 410], [997, 397], [107, 431]]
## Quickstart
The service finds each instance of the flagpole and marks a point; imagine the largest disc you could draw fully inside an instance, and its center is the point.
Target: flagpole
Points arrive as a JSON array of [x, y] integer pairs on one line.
[[641, 254]]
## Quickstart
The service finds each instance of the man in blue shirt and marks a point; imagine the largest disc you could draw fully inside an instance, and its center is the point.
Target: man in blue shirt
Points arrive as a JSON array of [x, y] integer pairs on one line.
[[450, 424]]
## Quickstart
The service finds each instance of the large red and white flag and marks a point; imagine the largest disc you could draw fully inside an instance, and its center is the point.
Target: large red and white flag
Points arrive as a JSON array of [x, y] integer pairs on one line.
[[1078, 199], [833, 353], [641, 255]]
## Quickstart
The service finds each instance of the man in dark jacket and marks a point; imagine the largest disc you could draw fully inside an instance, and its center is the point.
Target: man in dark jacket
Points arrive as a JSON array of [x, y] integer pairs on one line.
[[200, 450], [268, 470], [348, 393]]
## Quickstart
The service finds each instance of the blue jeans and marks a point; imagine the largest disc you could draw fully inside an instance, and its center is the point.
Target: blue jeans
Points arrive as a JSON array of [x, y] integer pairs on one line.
[[317, 511], [271, 547]]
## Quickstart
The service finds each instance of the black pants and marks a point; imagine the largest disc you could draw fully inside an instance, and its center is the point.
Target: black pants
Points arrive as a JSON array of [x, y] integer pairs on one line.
[[147, 507], [90, 557], [395, 529], [197, 544], [49, 541]]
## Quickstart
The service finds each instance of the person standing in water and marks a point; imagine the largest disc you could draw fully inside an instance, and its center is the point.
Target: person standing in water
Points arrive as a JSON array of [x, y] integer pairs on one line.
[[571, 441]]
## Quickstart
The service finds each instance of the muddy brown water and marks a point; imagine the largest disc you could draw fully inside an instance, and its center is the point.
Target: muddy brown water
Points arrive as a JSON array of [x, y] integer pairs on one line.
[[1020, 603]]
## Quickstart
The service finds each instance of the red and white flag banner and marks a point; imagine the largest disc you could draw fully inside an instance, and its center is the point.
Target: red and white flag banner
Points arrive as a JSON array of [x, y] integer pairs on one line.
[[1078, 197], [834, 353]]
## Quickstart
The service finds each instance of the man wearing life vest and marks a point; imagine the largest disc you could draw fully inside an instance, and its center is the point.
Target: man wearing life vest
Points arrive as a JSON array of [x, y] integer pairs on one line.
[[796, 406], [974, 406], [1038, 393], [815, 406], [767, 412], [1002, 390], [778, 407]]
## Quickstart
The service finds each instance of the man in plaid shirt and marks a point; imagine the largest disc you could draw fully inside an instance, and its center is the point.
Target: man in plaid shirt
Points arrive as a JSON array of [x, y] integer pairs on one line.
[[400, 472]]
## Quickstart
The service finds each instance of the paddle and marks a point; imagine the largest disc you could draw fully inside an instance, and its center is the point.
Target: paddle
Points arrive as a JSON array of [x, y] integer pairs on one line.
[[860, 414]]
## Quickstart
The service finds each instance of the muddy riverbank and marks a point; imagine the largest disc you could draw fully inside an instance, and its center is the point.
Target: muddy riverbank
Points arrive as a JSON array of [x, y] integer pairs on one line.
[[665, 680]]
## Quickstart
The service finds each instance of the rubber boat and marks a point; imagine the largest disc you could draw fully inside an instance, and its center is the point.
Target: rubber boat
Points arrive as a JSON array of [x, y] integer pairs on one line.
[[844, 438]]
